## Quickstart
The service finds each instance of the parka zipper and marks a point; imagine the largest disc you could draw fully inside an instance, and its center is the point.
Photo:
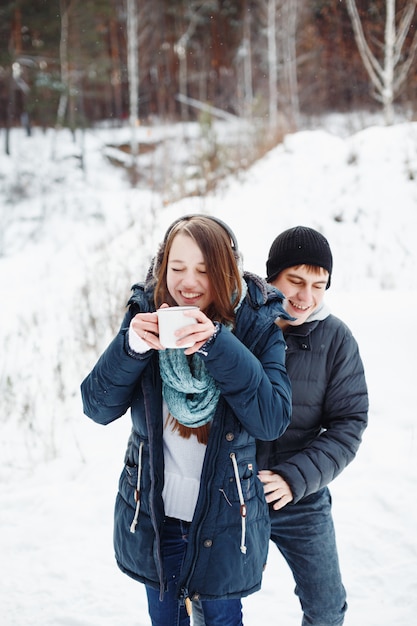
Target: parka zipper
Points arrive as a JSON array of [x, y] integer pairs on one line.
[[137, 490], [207, 477], [243, 510]]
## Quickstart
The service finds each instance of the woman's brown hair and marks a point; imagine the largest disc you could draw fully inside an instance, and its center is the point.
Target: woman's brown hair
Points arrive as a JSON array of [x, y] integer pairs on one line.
[[220, 260]]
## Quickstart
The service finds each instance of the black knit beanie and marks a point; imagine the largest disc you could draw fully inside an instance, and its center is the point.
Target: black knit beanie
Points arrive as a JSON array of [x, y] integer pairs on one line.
[[299, 246]]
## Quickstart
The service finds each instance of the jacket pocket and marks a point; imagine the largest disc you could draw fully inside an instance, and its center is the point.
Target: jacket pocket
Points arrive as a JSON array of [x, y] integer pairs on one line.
[[241, 477], [131, 485]]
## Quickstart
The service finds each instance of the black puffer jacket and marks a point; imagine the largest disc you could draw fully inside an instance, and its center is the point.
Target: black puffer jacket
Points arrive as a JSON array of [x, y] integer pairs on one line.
[[330, 407]]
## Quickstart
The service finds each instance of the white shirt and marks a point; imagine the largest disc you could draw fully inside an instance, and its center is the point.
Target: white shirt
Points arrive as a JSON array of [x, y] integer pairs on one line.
[[183, 464]]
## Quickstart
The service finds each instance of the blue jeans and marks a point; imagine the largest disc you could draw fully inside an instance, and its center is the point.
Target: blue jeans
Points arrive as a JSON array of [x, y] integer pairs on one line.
[[170, 611], [304, 534]]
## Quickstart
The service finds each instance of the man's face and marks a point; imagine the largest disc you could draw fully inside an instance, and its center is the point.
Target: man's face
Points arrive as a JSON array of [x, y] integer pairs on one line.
[[304, 288]]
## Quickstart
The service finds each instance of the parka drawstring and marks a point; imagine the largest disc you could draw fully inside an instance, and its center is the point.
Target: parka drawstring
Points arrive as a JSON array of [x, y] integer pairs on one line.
[[242, 503], [137, 490]]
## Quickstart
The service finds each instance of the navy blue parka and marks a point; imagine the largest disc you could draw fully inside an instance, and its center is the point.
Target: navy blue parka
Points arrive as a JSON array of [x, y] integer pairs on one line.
[[255, 403]]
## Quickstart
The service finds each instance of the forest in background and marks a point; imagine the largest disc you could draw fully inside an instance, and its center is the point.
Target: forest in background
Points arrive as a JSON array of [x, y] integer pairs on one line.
[[66, 62]]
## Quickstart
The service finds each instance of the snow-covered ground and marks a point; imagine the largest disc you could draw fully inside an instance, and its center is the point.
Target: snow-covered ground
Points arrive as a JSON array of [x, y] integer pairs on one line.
[[73, 241]]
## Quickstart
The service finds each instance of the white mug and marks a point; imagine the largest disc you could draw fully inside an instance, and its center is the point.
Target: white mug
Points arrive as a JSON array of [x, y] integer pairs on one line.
[[171, 319]]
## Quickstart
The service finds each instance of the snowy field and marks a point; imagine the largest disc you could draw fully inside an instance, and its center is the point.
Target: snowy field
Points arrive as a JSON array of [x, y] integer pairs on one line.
[[71, 244]]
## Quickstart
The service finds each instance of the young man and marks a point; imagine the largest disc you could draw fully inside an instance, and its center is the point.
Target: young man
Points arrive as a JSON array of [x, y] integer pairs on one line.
[[329, 415], [330, 406]]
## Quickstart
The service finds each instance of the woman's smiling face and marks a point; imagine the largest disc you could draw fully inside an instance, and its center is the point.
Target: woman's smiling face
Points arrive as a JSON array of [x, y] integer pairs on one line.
[[303, 288], [187, 279]]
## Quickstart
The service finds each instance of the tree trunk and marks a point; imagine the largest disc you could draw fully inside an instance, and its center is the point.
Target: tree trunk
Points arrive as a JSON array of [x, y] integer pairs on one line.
[[247, 64], [388, 82], [64, 61], [115, 70], [291, 58], [272, 64], [133, 71]]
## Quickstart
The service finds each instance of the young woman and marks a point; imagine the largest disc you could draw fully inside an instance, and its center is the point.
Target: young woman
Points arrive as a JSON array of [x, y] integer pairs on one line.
[[191, 520]]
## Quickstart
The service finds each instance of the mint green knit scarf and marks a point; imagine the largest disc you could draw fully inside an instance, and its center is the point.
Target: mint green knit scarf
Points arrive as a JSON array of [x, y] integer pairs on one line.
[[188, 389]]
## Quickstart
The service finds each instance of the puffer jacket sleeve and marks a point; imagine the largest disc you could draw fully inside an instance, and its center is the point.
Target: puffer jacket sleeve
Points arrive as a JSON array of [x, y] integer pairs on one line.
[[345, 415], [107, 391], [257, 388]]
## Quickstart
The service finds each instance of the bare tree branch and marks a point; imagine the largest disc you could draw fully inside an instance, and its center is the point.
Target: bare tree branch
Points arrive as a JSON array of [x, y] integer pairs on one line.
[[387, 79], [403, 28], [370, 62]]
